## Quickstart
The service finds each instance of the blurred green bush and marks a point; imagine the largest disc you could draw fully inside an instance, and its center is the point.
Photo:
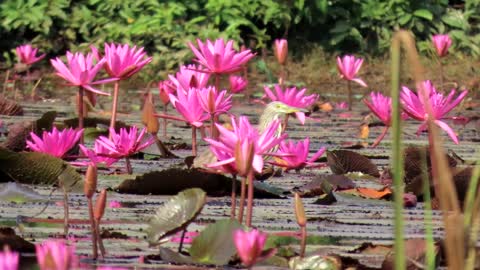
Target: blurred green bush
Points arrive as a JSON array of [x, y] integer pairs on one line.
[[165, 26]]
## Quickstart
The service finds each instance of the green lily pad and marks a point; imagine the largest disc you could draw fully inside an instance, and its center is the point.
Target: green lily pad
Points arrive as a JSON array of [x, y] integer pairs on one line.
[[175, 214], [15, 192], [37, 168], [214, 245]]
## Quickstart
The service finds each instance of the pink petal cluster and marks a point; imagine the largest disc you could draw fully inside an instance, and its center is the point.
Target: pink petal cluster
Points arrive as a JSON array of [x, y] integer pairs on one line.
[[416, 105], [125, 143], [80, 71], [122, 61], [214, 102], [348, 66], [27, 54], [220, 58], [294, 156], [280, 50], [249, 245], [8, 259], [237, 83], [165, 88], [55, 255], [234, 147], [99, 154], [381, 106], [188, 105], [341, 105], [115, 204], [292, 97], [190, 76], [55, 143], [442, 43]]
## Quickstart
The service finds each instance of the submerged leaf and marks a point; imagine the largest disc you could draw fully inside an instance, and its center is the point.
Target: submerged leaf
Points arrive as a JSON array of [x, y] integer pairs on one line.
[[215, 243], [345, 161], [175, 214], [36, 168]]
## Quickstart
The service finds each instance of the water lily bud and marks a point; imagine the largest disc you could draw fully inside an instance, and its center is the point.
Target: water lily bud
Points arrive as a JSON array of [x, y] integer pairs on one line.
[[148, 115], [244, 152], [300, 211], [100, 205], [90, 184], [281, 50]]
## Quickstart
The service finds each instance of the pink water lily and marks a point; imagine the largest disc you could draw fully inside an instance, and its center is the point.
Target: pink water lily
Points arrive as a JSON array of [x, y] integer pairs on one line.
[[213, 101], [292, 97], [190, 76], [250, 245], [225, 146], [220, 58], [237, 83], [441, 43], [188, 105], [8, 259], [348, 66], [294, 156], [28, 55], [165, 88], [55, 143], [98, 155], [415, 106], [55, 255], [126, 142], [80, 71], [122, 61], [280, 49]]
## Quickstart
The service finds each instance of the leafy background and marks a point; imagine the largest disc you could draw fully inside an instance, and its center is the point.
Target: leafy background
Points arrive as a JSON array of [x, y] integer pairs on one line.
[[164, 27]]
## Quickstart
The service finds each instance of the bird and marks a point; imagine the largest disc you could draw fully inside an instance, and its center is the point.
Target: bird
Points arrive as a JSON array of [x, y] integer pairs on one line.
[[275, 110]]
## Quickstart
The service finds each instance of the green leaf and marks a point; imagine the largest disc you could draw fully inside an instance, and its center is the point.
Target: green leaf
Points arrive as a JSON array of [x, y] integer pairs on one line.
[[215, 243], [455, 19], [423, 13], [175, 214]]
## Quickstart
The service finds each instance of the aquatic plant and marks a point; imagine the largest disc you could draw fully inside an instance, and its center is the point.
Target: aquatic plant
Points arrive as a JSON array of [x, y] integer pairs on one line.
[[250, 245], [348, 67], [294, 156], [8, 259], [55, 255], [237, 83], [28, 55], [55, 143]]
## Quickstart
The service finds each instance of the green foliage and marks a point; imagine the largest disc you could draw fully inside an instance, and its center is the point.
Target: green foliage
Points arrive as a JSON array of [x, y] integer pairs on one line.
[[165, 27]]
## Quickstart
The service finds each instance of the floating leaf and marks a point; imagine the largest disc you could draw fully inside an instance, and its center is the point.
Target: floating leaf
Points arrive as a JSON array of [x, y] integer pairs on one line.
[[175, 214], [37, 168], [369, 193], [214, 245], [315, 262], [345, 161], [15, 192], [337, 181], [94, 122]]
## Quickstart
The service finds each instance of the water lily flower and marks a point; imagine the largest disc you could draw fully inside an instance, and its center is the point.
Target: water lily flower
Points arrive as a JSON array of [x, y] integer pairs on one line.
[[214, 102], [188, 105], [442, 43], [415, 106], [292, 97], [99, 154], [122, 61], [250, 245], [8, 259], [190, 76], [280, 50], [55, 255], [237, 83], [125, 143], [294, 156], [55, 143], [165, 88], [27, 54], [348, 66], [220, 58], [225, 146], [80, 71], [341, 105], [114, 204]]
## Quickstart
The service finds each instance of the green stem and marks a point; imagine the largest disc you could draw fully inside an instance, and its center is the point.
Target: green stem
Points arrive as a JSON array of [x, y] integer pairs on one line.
[[470, 198], [114, 105], [430, 248], [397, 157], [80, 111]]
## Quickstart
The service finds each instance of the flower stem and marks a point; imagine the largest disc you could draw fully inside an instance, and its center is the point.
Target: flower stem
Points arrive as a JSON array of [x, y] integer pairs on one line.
[[241, 207], [165, 122], [234, 197], [250, 199], [93, 228], [194, 140], [114, 105], [128, 165], [80, 111], [65, 210], [99, 238], [380, 138], [441, 73], [303, 241], [349, 92], [281, 76]]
